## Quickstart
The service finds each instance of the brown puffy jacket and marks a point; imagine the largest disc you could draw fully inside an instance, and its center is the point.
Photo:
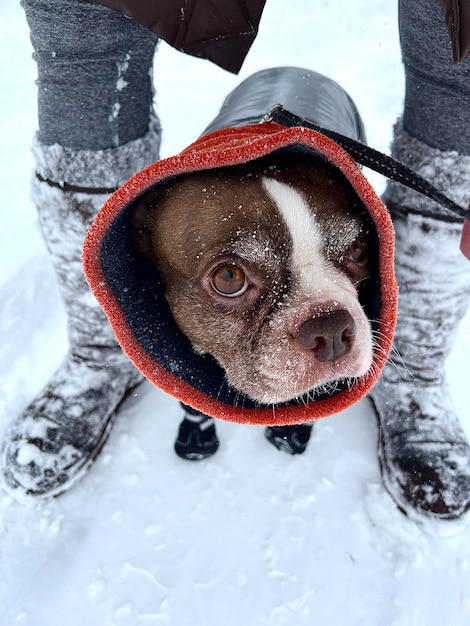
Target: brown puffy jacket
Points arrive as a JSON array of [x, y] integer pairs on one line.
[[223, 30], [219, 30], [457, 16]]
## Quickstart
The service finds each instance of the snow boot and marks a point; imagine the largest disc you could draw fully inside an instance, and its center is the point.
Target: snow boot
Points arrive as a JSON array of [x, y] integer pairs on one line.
[[423, 451], [290, 439], [197, 438], [56, 439]]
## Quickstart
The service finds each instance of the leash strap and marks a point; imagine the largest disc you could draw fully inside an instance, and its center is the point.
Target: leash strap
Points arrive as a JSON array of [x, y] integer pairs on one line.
[[373, 159]]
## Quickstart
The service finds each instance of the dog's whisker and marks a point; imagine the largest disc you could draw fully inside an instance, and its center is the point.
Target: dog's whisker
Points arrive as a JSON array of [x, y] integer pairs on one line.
[[219, 391], [396, 352]]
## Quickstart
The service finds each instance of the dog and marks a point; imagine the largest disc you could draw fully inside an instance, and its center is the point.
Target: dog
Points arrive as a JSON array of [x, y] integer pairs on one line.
[[262, 264]]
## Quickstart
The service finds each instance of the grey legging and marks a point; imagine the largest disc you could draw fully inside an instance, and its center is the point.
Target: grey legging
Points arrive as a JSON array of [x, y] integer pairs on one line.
[[95, 86], [437, 101]]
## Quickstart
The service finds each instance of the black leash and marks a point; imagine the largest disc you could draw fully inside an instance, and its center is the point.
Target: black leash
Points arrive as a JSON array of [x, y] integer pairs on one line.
[[373, 159]]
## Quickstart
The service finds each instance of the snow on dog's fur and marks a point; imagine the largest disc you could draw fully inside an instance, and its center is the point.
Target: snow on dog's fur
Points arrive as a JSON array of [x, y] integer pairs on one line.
[[261, 264]]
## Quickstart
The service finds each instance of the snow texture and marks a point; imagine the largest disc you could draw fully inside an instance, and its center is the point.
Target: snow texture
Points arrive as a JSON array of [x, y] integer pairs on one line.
[[251, 536], [82, 168], [445, 170]]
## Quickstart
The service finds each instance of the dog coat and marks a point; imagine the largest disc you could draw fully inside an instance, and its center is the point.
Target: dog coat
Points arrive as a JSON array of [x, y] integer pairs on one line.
[[132, 293]]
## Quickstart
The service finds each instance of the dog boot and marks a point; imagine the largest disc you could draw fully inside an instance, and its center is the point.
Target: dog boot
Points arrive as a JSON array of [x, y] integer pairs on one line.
[[423, 451], [197, 438], [58, 436], [290, 439]]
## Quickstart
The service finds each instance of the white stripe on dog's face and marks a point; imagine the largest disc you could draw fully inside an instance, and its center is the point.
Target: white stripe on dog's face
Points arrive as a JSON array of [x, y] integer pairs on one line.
[[308, 259]]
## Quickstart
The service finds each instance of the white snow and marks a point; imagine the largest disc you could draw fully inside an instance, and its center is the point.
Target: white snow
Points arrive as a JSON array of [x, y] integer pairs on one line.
[[251, 536]]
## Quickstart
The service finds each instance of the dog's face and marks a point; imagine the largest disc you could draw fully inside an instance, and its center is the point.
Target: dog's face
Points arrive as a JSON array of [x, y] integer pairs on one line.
[[261, 265]]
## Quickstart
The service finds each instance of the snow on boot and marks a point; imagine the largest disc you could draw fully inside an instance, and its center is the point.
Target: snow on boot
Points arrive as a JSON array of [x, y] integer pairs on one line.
[[53, 443], [197, 438], [60, 433], [423, 450]]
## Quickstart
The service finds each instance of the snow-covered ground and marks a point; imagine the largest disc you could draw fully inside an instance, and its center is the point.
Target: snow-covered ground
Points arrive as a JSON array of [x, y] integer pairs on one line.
[[251, 536]]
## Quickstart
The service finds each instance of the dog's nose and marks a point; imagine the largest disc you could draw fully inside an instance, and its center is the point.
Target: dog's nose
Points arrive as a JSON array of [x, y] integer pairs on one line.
[[329, 336]]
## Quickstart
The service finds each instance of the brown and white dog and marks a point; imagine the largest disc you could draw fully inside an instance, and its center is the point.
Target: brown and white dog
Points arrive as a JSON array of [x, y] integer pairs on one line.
[[262, 263]]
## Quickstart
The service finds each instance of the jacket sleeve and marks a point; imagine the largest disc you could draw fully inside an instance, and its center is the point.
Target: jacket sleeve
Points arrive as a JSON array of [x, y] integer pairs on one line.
[[221, 31], [457, 16]]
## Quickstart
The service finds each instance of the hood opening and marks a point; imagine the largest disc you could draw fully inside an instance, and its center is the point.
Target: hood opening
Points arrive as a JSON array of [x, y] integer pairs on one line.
[[132, 292]]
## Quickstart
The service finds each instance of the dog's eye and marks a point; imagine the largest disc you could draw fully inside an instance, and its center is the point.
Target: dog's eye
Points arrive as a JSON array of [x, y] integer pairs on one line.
[[358, 249], [229, 280]]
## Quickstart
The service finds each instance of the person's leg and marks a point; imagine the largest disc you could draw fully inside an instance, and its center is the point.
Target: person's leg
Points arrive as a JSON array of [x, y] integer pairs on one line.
[[96, 129], [423, 450]]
